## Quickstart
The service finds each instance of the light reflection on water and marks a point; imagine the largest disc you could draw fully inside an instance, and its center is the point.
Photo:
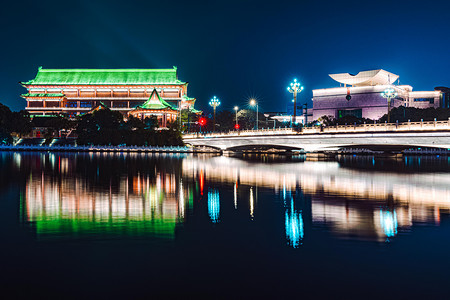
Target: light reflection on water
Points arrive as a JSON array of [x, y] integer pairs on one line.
[[294, 225], [214, 205], [102, 196]]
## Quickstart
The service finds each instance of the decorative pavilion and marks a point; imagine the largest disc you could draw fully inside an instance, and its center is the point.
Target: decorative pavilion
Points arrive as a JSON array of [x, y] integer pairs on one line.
[[156, 106]]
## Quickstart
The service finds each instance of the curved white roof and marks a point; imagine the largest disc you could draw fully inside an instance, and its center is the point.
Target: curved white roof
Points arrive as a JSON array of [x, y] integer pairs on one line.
[[366, 78]]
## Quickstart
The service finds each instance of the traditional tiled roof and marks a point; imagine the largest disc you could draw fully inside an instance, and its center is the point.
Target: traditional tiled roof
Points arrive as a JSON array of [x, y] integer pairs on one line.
[[105, 76], [195, 111], [42, 95], [186, 98], [155, 102]]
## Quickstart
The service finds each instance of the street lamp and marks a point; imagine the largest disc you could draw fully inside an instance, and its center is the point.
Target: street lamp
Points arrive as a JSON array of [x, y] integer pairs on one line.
[[236, 110], [295, 88], [253, 102], [214, 102], [389, 94]]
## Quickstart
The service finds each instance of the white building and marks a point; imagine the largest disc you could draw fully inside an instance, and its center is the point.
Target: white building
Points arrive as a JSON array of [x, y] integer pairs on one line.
[[360, 95]]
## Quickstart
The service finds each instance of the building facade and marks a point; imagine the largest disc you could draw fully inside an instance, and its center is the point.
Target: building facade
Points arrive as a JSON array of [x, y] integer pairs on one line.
[[75, 91], [361, 96]]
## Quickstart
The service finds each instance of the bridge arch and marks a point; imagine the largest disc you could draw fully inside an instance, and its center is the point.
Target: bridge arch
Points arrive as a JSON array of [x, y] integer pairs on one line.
[[263, 147]]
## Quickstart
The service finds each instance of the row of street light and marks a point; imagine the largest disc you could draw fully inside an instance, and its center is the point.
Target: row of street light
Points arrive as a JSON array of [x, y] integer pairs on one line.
[[294, 88], [214, 103]]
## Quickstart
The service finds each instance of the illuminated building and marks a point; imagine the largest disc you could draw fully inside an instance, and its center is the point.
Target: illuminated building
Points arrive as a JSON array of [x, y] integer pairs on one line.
[[156, 106], [75, 91], [445, 96], [360, 96]]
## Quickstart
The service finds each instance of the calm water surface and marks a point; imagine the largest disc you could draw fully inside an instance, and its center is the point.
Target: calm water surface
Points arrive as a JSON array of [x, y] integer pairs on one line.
[[166, 226]]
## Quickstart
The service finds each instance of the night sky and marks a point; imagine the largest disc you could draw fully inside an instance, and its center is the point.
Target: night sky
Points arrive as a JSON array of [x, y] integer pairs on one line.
[[232, 49]]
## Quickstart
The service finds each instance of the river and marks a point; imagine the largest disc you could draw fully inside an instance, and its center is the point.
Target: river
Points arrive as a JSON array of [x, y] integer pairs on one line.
[[109, 225]]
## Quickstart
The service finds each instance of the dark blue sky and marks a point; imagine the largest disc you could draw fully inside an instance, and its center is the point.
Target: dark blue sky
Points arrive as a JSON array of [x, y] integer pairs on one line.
[[231, 49]]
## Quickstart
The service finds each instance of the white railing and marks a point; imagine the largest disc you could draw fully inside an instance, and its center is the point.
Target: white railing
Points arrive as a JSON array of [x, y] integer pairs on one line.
[[355, 128]]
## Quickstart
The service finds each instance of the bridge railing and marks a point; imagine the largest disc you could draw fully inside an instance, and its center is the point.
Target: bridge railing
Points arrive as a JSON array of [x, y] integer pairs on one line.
[[354, 128]]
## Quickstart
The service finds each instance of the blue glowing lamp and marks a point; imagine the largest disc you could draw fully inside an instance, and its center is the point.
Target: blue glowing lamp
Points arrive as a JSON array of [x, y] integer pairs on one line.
[[214, 102]]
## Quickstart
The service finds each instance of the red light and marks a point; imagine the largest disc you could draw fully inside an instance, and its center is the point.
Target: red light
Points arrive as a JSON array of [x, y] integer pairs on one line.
[[237, 126], [202, 121]]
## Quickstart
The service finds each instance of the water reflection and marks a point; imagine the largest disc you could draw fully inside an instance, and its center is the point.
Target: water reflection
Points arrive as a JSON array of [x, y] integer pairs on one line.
[[294, 225], [139, 204], [345, 197], [213, 205], [388, 222], [121, 195]]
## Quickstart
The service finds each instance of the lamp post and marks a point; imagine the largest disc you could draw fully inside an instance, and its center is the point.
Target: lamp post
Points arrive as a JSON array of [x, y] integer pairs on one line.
[[236, 110], [253, 102], [294, 88], [214, 102], [389, 94]]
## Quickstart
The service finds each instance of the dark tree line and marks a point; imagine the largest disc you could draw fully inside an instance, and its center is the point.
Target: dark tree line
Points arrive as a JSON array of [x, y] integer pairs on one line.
[[13, 122], [106, 127], [403, 114], [102, 127]]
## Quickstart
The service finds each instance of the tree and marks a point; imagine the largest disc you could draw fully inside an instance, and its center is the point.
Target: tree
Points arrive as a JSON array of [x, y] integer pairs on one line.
[[225, 120], [21, 123], [403, 114], [104, 127], [18, 122], [327, 120]]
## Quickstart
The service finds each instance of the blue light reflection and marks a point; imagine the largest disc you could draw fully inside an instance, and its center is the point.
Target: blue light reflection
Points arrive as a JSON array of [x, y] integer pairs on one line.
[[213, 205], [388, 221], [294, 226]]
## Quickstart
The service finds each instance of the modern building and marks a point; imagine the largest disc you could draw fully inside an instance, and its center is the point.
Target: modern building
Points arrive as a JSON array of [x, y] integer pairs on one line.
[[445, 96], [360, 95], [76, 91]]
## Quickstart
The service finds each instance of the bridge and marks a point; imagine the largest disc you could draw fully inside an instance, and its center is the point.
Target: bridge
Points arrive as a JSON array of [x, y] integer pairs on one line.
[[381, 136]]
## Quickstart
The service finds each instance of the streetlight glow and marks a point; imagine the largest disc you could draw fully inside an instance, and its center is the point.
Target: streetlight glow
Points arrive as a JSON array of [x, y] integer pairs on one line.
[[295, 88], [253, 103], [214, 102], [236, 125], [389, 93]]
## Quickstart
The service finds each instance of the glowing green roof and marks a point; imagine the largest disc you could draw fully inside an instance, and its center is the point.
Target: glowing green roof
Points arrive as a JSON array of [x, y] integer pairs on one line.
[[186, 98], [105, 76], [43, 95], [156, 102]]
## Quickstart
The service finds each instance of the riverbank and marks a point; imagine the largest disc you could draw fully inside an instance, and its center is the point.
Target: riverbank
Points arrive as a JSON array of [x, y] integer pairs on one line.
[[137, 149]]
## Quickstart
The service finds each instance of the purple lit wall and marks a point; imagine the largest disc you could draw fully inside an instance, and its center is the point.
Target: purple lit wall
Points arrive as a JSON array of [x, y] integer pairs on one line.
[[373, 105]]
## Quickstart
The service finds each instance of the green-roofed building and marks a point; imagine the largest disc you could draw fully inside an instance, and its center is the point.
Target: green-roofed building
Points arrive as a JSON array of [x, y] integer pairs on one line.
[[158, 107], [76, 91]]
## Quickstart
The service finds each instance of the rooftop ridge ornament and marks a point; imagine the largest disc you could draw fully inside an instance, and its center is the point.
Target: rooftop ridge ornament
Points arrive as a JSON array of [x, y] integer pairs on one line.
[[295, 88]]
